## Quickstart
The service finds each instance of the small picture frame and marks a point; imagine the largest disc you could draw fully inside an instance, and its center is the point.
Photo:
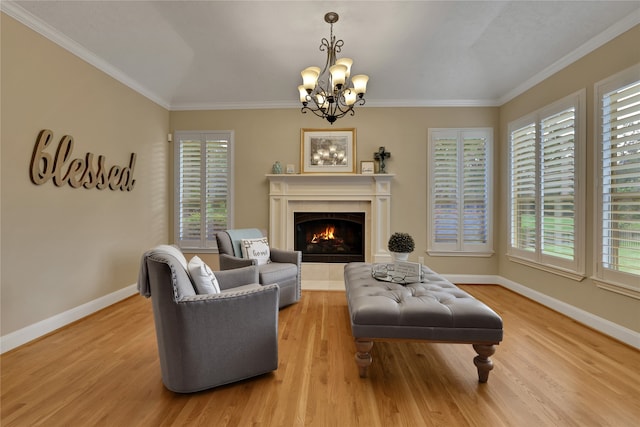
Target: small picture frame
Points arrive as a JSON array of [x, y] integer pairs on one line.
[[367, 167], [328, 150], [290, 168]]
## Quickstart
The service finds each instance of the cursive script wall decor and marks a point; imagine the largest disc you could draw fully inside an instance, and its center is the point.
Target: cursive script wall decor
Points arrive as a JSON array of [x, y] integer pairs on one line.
[[77, 172]]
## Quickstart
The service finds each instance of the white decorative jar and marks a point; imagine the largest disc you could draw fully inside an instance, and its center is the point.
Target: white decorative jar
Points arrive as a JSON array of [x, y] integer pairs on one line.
[[400, 256]]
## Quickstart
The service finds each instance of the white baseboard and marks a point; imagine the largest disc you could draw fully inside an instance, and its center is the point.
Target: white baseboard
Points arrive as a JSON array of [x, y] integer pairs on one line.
[[604, 326], [31, 332], [627, 336]]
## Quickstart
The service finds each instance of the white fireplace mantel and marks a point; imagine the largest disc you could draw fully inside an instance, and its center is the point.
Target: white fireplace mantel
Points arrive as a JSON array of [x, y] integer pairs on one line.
[[368, 193]]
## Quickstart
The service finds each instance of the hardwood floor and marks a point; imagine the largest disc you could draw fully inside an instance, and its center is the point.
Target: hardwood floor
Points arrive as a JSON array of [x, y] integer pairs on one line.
[[549, 371]]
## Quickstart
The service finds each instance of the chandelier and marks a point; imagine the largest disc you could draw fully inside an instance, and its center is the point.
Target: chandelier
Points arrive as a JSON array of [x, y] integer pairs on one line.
[[331, 93]]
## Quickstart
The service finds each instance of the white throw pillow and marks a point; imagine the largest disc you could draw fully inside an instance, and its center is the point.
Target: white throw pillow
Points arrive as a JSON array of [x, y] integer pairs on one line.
[[203, 277], [257, 249]]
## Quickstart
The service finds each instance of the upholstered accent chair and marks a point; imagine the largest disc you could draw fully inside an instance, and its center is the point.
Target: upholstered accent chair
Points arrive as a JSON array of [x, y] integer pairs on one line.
[[208, 340], [283, 267]]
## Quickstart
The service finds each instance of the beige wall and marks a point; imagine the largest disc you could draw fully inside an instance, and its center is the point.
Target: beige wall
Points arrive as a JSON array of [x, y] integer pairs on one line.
[[615, 56], [63, 247], [264, 136]]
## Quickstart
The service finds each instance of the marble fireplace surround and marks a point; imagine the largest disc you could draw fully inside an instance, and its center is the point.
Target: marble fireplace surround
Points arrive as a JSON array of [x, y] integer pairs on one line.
[[292, 193]]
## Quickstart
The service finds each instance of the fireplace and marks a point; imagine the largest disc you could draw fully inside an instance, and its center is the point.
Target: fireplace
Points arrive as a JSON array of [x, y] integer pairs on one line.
[[330, 236], [333, 193]]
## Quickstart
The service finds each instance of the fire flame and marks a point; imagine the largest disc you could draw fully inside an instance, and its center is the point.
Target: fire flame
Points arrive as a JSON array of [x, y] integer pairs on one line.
[[327, 234]]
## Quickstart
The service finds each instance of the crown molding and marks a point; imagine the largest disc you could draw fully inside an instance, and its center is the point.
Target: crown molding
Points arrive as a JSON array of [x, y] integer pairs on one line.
[[15, 11], [195, 106], [44, 29], [433, 103], [389, 103], [606, 36]]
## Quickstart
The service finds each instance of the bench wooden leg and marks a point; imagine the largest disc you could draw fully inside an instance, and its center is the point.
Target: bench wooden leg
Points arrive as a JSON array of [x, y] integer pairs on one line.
[[363, 356], [482, 361]]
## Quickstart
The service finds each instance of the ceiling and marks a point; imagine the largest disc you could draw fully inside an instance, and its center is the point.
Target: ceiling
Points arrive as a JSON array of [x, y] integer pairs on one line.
[[249, 54]]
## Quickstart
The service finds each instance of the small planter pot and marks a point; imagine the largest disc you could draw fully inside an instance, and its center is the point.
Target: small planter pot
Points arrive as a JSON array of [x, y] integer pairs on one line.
[[400, 256]]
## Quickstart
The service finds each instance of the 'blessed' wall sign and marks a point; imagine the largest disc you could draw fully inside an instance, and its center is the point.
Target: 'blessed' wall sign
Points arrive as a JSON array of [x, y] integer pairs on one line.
[[77, 172]]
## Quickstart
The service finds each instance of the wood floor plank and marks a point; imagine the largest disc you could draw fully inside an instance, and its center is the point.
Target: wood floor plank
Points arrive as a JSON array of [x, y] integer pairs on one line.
[[549, 371]]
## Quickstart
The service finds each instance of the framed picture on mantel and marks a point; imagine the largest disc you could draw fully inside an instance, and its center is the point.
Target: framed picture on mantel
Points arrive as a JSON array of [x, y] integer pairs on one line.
[[328, 150], [367, 167]]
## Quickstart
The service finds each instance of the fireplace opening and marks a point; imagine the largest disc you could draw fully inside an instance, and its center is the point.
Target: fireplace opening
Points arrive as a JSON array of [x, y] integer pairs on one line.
[[329, 236]]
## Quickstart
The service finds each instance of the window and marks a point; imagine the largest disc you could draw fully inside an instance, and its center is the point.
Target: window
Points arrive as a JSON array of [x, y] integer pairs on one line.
[[618, 193], [203, 187], [460, 188], [546, 190]]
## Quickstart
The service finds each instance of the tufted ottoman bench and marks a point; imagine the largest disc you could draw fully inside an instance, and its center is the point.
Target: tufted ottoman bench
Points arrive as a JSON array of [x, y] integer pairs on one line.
[[435, 310]]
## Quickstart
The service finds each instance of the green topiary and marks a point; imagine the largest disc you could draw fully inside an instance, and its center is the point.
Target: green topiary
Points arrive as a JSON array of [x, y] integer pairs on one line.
[[401, 242]]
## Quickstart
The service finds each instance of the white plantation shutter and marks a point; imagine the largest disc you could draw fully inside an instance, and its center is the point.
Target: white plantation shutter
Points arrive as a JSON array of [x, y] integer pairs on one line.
[[546, 214], [475, 225], [190, 223], [445, 191], [558, 185], [523, 188], [203, 187], [217, 185], [460, 177], [619, 195]]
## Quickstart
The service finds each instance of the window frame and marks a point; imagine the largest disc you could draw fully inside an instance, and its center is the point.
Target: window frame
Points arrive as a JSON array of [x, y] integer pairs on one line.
[[575, 268], [203, 245], [460, 248], [616, 281]]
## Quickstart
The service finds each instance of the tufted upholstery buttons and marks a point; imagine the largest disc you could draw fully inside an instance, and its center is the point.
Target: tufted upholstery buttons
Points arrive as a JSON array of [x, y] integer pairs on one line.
[[435, 303], [435, 310]]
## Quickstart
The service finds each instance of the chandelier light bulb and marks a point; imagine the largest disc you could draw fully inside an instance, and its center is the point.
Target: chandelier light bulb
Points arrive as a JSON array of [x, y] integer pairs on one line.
[[360, 83], [310, 77], [349, 97], [322, 100], [303, 94], [338, 75], [347, 62]]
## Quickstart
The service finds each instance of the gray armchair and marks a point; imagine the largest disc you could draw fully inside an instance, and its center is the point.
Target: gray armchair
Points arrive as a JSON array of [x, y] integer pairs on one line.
[[284, 268], [209, 340]]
